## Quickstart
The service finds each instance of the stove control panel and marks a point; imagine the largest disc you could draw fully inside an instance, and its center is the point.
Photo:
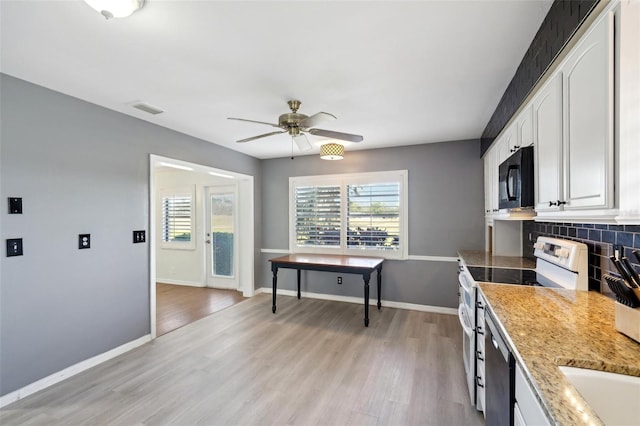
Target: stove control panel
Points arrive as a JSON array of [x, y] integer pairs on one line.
[[569, 255]]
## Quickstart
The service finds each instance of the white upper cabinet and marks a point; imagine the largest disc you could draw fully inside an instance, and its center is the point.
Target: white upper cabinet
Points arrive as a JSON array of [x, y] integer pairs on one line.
[[525, 128], [491, 182], [587, 76], [547, 131], [507, 144]]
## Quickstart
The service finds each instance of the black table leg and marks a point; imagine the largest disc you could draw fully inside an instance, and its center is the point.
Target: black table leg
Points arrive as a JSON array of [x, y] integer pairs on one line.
[[379, 285], [298, 284], [274, 269], [366, 277]]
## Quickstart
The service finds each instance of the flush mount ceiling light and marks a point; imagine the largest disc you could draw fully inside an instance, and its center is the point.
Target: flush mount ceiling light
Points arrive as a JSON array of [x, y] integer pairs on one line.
[[332, 151], [115, 8]]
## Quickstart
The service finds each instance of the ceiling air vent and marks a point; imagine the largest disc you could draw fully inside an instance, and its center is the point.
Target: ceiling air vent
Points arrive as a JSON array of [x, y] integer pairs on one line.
[[142, 106]]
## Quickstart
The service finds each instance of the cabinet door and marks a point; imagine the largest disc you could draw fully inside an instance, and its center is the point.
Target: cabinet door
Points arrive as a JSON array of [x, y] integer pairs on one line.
[[525, 128], [506, 143], [491, 182], [547, 119], [588, 118]]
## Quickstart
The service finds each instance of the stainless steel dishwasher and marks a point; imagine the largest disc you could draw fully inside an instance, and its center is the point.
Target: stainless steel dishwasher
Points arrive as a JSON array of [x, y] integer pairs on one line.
[[499, 377]]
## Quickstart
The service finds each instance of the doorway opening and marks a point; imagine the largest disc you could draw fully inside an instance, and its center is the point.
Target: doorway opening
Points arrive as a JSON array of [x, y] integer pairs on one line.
[[201, 241]]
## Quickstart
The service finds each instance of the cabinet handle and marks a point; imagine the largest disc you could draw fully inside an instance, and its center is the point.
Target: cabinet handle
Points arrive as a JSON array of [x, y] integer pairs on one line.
[[479, 305], [561, 203], [479, 382], [552, 203], [496, 210], [479, 356], [515, 148], [480, 331]]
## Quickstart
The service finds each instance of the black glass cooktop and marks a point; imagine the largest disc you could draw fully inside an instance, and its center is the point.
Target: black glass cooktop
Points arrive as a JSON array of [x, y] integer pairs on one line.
[[511, 276]]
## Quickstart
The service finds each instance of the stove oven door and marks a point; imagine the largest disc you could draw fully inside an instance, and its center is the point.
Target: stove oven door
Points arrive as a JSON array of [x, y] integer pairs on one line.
[[468, 351]]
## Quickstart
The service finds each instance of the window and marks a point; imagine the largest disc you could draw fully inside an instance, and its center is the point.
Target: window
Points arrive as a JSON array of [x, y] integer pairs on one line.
[[317, 216], [177, 218], [361, 214]]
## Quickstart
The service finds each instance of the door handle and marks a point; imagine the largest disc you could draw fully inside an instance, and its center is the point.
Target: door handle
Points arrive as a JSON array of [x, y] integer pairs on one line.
[[511, 197]]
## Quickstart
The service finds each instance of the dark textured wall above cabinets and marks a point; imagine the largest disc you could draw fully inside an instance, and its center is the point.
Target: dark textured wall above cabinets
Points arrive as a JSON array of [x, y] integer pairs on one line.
[[562, 21]]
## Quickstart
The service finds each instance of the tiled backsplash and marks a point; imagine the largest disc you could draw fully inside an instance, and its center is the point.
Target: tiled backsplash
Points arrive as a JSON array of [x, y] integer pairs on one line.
[[599, 238]]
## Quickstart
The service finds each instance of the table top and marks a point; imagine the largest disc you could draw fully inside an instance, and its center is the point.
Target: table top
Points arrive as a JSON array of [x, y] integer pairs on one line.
[[329, 260]]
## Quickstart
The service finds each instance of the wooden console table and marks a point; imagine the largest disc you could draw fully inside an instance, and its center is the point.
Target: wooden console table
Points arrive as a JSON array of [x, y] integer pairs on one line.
[[330, 263]]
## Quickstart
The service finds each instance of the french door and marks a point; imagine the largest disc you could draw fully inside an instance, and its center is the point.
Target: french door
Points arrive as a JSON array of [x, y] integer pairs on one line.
[[222, 236]]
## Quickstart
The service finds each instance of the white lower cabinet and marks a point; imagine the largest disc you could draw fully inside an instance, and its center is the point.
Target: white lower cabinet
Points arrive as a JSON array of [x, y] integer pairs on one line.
[[480, 352], [527, 409]]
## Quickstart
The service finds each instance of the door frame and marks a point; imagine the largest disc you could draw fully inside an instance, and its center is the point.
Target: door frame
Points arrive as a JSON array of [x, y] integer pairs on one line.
[[245, 188]]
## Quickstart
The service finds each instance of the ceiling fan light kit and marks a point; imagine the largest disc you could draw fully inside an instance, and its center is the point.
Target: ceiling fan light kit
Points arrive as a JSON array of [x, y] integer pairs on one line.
[[115, 8], [297, 124], [332, 151]]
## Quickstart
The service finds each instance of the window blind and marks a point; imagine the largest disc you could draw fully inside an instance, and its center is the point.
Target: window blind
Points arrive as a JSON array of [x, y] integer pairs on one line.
[[373, 216], [176, 218], [317, 215]]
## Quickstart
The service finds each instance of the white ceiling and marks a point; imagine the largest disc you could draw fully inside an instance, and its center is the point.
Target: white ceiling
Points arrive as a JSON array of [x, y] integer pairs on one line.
[[398, 73]]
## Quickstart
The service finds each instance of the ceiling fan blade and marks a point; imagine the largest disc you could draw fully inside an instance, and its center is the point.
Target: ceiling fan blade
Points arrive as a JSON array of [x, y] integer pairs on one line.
[[260, 136], [302, 142], [253, 121], [314, 119], [336, 135]]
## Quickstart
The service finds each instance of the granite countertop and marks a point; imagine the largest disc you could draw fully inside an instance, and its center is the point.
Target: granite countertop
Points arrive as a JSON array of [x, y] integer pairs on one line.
[[484, 258], [548, 328]]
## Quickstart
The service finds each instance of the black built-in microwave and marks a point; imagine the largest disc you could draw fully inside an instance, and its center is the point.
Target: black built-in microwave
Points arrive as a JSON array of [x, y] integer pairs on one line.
[[516, 180]]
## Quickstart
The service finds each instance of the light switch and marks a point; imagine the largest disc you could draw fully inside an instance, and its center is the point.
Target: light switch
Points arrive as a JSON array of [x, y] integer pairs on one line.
[[14, 247], [139, 237]]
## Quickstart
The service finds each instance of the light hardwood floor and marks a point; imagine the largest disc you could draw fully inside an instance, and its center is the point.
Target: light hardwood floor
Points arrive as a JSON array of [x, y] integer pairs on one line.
[[312, 363], [179, 305]]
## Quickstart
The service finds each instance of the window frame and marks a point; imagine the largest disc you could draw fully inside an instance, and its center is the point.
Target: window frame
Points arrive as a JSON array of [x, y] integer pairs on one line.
[[178, 192], [343, 180]]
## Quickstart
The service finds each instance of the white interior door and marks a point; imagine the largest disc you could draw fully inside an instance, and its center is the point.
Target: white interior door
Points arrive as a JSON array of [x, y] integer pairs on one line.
[[222, 237]]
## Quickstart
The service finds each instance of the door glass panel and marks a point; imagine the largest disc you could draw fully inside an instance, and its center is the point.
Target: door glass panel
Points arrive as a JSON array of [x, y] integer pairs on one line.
[[222, 233]]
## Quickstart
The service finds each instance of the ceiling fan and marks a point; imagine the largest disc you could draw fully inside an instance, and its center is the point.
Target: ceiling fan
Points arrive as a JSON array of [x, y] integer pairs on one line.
[[297, 125]]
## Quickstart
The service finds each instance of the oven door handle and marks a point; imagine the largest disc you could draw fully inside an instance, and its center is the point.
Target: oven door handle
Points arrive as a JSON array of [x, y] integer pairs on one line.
[[464, 282], [464, 322]]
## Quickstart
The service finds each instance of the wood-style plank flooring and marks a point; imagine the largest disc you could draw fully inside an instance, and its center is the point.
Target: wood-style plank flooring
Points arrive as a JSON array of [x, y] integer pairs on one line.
[[312, 363], [179, 305]]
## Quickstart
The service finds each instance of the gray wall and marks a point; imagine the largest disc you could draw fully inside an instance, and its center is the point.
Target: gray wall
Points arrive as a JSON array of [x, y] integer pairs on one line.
[[446, 202], [80, 168]]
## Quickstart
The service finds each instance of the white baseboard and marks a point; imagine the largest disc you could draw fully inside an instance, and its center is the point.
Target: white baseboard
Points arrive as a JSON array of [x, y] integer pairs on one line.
[[179, 282], [359, 300], [71, 371]]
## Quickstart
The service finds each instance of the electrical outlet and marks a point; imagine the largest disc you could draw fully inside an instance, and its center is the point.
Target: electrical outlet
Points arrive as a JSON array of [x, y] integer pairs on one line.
[[15, 205], [618, 250], [84, 241], [14, 247], [139, 237], [340, 280]]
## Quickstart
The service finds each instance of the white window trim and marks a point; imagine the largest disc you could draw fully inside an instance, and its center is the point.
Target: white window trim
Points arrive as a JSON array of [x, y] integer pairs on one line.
[[182, 190], [401, 176]]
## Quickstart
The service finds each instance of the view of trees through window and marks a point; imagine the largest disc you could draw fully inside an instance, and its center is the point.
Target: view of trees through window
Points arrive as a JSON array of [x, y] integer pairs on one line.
[[373, 216], [372, 213]]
